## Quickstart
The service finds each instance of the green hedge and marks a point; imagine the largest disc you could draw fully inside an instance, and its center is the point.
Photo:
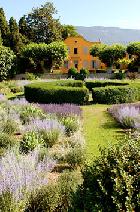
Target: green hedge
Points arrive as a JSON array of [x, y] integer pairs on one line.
[[64, 91], [116, 95], [95, 83], [69, 83]]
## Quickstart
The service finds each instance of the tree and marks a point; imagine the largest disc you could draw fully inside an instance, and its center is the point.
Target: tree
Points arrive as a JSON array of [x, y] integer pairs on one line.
[[33, 54], [15, 37], [96, 49], [133, 49], [26, 33], [57, 53], [7, 61], [4, 28], [68, 31], [41, 26], [23, 28], [53, 55], [109, 54], [1, 41]]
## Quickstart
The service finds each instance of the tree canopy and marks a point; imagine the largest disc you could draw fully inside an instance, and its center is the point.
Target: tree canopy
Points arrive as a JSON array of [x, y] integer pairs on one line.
[[7, 61], [15, 38], [134, 49], [108, 54], [68, 31], [4, 28], [40, 25], [52, 54]]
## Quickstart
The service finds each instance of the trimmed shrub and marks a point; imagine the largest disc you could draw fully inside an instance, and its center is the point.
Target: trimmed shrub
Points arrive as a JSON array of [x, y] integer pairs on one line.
[[57, 92], [95, 83], [72, 72], [68, 83], [82, 75], [84, 72], [116, 95]]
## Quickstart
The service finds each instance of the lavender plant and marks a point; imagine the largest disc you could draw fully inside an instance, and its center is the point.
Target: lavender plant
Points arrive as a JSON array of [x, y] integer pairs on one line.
[[2, 97], [6, 141], [30, 141], [29, 112], [22, 174], [48, 130], [9, 121], [128, 115], [71, 124], [62, 109], [48, 125]]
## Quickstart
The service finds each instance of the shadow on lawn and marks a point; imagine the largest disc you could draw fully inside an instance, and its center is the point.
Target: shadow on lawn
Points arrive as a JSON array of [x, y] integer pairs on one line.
[[111, 123]]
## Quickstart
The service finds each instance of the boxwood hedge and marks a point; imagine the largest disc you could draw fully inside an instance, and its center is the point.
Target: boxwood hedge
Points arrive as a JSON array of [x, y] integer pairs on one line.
[[63, 91], [116, 94], [98, 83]]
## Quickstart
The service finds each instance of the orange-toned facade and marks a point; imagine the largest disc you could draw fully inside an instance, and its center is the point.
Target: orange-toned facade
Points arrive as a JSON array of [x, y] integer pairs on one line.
[[79, 56]]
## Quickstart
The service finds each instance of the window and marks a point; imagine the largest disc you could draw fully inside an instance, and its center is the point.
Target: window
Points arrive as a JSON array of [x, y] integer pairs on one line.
[[85, 64], [76, 64], [85, 50], [96, 64], [75, 51], [92, 64], [66, 64], [68, 50]]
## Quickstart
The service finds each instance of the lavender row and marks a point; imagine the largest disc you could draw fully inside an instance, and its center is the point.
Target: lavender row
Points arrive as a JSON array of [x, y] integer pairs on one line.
[[128, 115], [62, 109]]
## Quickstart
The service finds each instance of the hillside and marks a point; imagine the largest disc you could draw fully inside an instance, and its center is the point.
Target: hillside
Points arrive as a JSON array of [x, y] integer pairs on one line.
[[109, 35]]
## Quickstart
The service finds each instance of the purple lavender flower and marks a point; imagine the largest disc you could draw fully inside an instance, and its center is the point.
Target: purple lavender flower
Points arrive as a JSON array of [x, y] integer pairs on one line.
[[127, 114], [17, 101], [21, 174], [47, 125], [62, 109], [2, 97]]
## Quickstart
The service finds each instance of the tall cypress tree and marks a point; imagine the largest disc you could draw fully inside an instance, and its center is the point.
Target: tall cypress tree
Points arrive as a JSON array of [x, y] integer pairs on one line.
[[4, 28], [23, 29], [1, 41], [26, 32], [15, 37]]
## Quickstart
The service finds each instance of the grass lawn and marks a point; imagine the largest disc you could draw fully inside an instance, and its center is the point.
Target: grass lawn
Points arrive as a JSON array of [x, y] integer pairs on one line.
[[100, 128]]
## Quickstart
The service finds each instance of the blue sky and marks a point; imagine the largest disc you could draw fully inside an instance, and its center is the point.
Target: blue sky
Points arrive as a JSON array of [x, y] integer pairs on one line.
[[121, 13]]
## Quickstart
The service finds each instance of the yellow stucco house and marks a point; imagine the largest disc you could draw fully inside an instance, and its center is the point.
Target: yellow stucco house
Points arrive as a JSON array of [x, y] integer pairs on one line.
[[79, 56]]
